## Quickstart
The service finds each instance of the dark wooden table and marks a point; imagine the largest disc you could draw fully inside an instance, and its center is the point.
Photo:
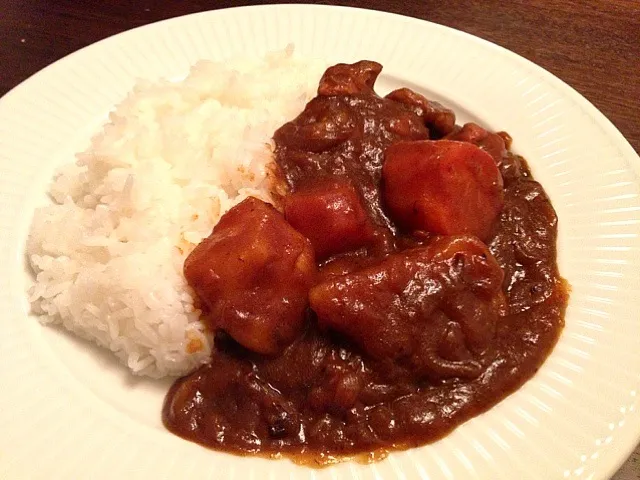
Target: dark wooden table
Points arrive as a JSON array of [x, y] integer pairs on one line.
[[593, 45]]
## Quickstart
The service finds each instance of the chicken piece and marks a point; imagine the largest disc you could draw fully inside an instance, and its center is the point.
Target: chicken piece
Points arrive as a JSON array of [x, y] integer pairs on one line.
[[442, 186], [439, 119], [253, 272], [330, 214], [492, 143], [511, 166], [349, 79], [432, 308], [207, 401], [327, 125]]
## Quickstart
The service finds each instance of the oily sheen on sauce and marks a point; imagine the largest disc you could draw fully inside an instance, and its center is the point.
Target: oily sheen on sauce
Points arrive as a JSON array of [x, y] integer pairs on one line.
[[411, 326]]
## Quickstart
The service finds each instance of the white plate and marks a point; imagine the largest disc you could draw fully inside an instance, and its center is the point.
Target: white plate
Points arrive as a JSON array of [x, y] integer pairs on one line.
[[68, 411]]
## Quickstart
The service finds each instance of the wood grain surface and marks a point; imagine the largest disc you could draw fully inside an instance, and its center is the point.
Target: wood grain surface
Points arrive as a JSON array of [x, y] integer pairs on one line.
[[593, 45]]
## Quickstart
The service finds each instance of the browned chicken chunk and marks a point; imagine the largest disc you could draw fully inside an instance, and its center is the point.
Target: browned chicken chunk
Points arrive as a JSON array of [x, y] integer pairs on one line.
[[349, 79], [253, 273], [439, 119], [492, 143], [432, 308]]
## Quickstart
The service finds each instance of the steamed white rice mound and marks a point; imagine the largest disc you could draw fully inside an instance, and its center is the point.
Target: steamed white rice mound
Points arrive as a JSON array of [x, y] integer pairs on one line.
[[173, 157]]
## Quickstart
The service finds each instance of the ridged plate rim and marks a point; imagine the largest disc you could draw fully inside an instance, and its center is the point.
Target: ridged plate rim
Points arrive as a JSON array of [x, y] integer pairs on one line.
[[81, 435]]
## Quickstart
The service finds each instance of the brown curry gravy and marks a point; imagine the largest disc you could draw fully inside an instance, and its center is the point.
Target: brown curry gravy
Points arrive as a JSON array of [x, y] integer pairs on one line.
[[324, 398]]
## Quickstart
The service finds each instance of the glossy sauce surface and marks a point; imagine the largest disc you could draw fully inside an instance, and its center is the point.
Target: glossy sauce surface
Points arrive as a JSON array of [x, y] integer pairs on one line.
[[408, 333]]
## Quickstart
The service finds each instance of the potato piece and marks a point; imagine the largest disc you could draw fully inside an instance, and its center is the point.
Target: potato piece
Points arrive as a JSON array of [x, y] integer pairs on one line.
[[253, 272], [445, 187], [330, 214]]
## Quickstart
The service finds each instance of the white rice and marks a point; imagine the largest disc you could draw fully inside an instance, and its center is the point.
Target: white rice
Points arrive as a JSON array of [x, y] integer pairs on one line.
[[173, 157]]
